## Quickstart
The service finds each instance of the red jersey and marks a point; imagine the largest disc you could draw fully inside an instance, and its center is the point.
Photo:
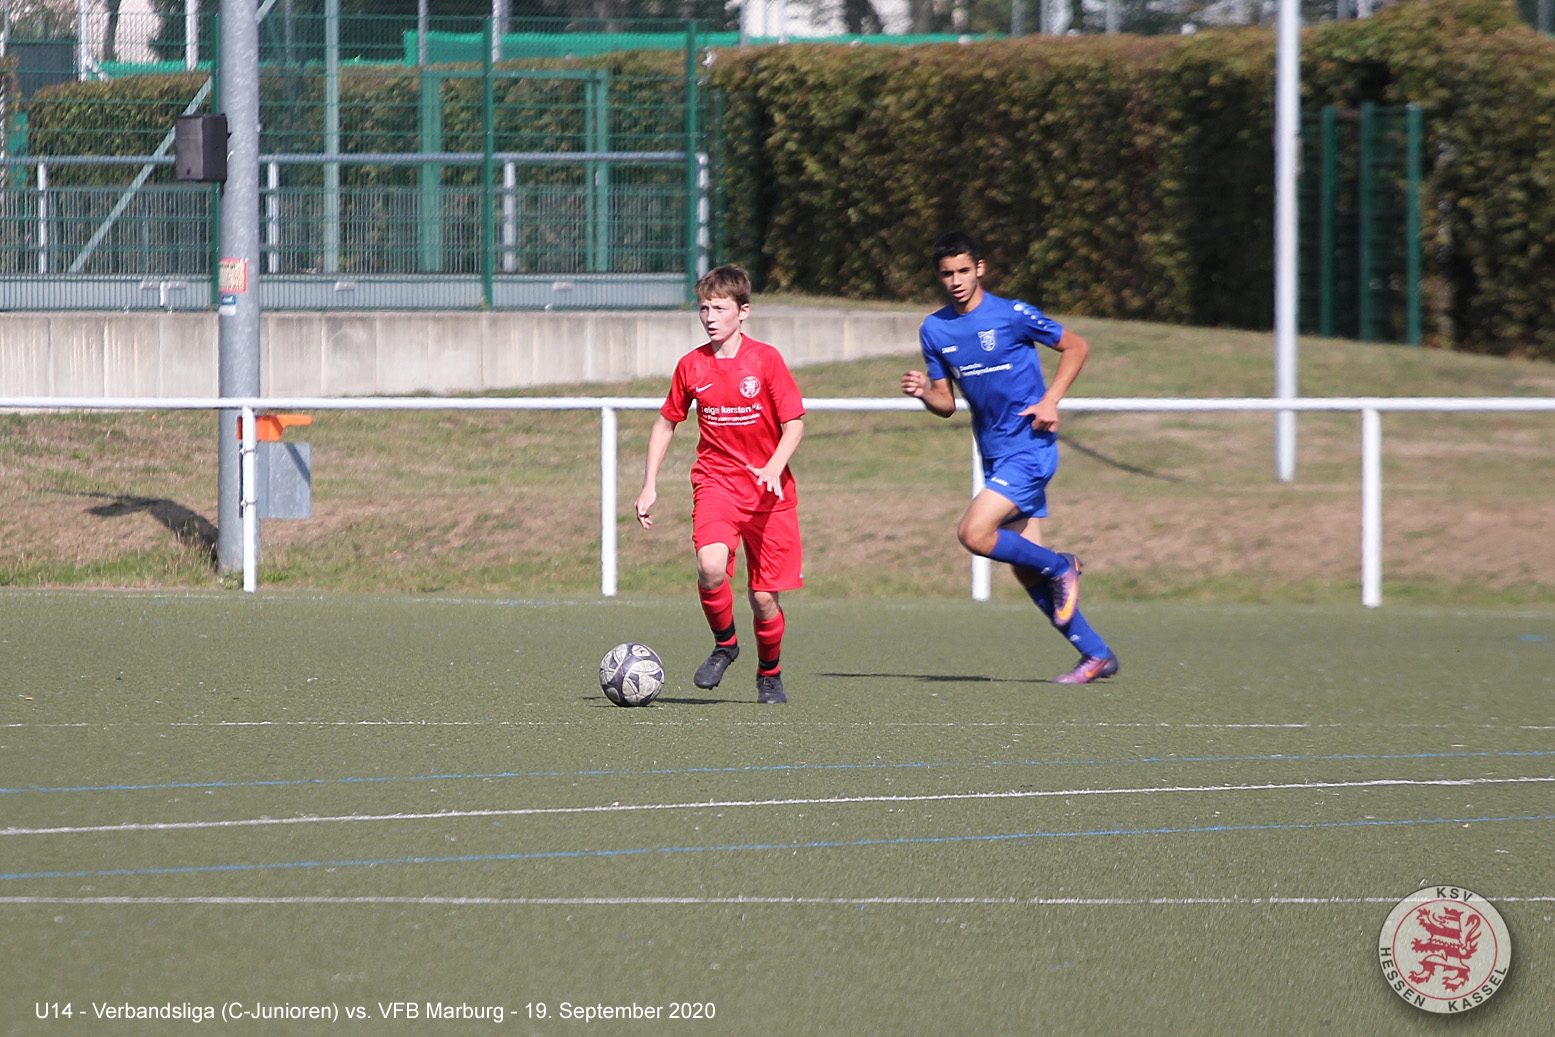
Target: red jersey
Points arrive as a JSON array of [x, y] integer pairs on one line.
[[742, 402]]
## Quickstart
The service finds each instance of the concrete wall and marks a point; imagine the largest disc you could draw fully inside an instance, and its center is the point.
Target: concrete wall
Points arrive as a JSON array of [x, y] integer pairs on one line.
[[355, 354]]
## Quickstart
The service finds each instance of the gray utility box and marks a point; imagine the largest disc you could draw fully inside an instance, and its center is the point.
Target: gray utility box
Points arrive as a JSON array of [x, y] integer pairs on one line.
[[285, 478]]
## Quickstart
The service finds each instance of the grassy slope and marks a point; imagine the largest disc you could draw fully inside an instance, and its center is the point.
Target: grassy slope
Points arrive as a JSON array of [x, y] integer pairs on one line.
[[1161, 505]]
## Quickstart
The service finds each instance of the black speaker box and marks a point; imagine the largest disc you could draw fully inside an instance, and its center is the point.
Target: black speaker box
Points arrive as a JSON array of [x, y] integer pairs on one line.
[[200, 148]]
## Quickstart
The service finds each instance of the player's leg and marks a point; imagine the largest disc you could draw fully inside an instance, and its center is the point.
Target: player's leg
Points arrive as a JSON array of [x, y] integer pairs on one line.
[[714, 540], [1017, 489], [1097, 659], [774, 556]]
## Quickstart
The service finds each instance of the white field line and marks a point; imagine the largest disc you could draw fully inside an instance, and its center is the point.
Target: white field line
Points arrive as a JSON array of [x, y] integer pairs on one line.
[[730, 804], [738, 901]]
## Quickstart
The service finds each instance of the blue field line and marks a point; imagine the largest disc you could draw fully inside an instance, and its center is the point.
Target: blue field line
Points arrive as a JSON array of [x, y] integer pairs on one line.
[[925, 765], [756, 847]]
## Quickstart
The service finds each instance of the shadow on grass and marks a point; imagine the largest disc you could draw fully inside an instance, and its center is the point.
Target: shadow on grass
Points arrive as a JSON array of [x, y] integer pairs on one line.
[[943, 678], [603, 703], [189, 527]]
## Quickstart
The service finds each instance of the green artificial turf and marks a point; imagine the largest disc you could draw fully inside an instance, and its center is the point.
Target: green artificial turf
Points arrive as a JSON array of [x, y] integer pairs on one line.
[[1023, 880]]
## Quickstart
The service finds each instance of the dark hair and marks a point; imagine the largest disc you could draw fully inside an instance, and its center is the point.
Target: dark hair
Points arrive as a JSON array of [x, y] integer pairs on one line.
[[956, 243], [725, 282]]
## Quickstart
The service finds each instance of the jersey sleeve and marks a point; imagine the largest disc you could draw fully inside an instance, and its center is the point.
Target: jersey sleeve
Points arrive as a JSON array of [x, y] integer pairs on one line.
[[932, 361], [1035, 326], [788, 404], [677, 404]]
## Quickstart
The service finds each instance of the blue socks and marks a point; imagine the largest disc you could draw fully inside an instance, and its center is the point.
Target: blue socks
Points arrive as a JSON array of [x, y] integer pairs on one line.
[[1079, 633], [1017, 550]]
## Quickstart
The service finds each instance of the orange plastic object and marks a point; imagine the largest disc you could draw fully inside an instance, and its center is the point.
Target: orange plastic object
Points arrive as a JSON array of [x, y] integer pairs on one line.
[[268, 427]]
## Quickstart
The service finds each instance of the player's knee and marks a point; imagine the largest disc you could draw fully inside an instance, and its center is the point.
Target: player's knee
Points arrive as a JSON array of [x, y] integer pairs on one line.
[[764, 604], [976, 539]]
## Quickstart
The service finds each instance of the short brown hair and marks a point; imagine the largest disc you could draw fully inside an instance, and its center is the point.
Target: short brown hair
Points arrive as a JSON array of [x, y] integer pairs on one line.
[[725, 282]]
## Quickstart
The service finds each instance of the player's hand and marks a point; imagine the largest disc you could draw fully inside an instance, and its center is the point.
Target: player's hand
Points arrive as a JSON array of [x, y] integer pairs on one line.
[[1043, 415], [768, 480], [915, 383], [643, 506]]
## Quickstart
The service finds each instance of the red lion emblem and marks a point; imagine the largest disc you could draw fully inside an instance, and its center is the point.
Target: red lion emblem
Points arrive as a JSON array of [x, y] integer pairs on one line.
[[1452, 939]]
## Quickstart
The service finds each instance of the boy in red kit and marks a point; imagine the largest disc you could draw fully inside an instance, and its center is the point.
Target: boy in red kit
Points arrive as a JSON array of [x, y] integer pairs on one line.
[[750, 416]]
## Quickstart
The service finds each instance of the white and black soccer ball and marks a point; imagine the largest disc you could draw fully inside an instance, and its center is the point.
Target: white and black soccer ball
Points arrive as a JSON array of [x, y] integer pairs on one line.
[[631, 674]]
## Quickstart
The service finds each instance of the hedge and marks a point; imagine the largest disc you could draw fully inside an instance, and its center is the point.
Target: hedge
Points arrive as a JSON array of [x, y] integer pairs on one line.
[[1133, 177]]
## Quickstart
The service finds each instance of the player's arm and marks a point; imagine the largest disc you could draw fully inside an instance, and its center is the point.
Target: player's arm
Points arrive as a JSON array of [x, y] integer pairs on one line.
[[658, 446], [1072, 351], [935, 393], [770, 476]]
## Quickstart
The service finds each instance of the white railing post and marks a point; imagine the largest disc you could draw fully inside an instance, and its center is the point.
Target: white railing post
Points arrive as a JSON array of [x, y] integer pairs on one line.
[[250, 502], [607, 501], [982, 568], [1371, 507]]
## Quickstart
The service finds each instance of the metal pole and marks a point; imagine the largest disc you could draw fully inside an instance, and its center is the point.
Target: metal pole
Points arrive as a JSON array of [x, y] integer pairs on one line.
[[273, 218], [84, 43], [982, 568], [43, 218], [1546, 17], [1371, 507], [691, 161], [423, 18], [238, 314], [704, 213], [250, 502], [499, 19], [509, 217], [332, 136], [1017, 18], [1327, 213], [1412, 225], [607, 501], [191, 34], [1287, 132], [488, 146], [1114, 18]]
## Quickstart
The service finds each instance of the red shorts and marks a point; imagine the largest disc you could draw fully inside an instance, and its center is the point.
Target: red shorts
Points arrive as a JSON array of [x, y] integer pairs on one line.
[[773, 553]]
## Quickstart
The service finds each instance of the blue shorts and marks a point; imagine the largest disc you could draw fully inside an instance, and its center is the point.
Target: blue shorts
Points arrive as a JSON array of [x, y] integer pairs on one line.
[[1023, 479]]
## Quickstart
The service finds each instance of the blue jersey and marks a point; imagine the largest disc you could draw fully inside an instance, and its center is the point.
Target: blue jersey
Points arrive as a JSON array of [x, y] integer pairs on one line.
[[988, 352]]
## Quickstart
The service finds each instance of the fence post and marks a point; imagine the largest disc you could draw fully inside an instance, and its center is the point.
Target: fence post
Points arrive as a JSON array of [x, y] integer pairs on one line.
[[691, 161], [331, 136], [607, 501], [1371, 507], [1412, 226], [1327, 209], [982, 568], [1365, 304], [488, 145], [429, 176]]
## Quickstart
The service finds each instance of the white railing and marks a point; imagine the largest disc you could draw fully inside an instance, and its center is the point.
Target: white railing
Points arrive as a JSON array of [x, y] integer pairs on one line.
[[1369, 407]]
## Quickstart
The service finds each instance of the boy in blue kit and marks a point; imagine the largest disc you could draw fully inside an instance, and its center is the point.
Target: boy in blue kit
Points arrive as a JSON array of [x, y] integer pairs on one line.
[[987, 345]]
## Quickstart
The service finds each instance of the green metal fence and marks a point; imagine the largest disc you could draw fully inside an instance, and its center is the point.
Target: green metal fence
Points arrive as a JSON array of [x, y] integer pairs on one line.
[[554, 183], [1360, 223]]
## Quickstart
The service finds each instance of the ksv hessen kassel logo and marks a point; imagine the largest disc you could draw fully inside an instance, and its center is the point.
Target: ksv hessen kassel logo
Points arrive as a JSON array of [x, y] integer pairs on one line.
[[749, 386], [1445, 949]]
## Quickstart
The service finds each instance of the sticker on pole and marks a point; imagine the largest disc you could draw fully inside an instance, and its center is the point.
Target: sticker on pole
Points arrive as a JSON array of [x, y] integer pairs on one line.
[[1445, 949], [231, 281]]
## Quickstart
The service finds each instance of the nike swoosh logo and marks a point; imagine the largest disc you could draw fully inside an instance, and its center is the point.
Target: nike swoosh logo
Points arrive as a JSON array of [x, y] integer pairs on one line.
[[703, 388]]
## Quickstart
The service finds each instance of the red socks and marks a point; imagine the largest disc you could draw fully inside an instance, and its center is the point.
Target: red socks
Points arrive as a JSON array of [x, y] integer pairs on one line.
[[718, 605], [769, 643]]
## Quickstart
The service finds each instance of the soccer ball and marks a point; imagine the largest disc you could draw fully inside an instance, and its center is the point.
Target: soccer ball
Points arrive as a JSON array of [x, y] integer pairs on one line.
[[631, 674]]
